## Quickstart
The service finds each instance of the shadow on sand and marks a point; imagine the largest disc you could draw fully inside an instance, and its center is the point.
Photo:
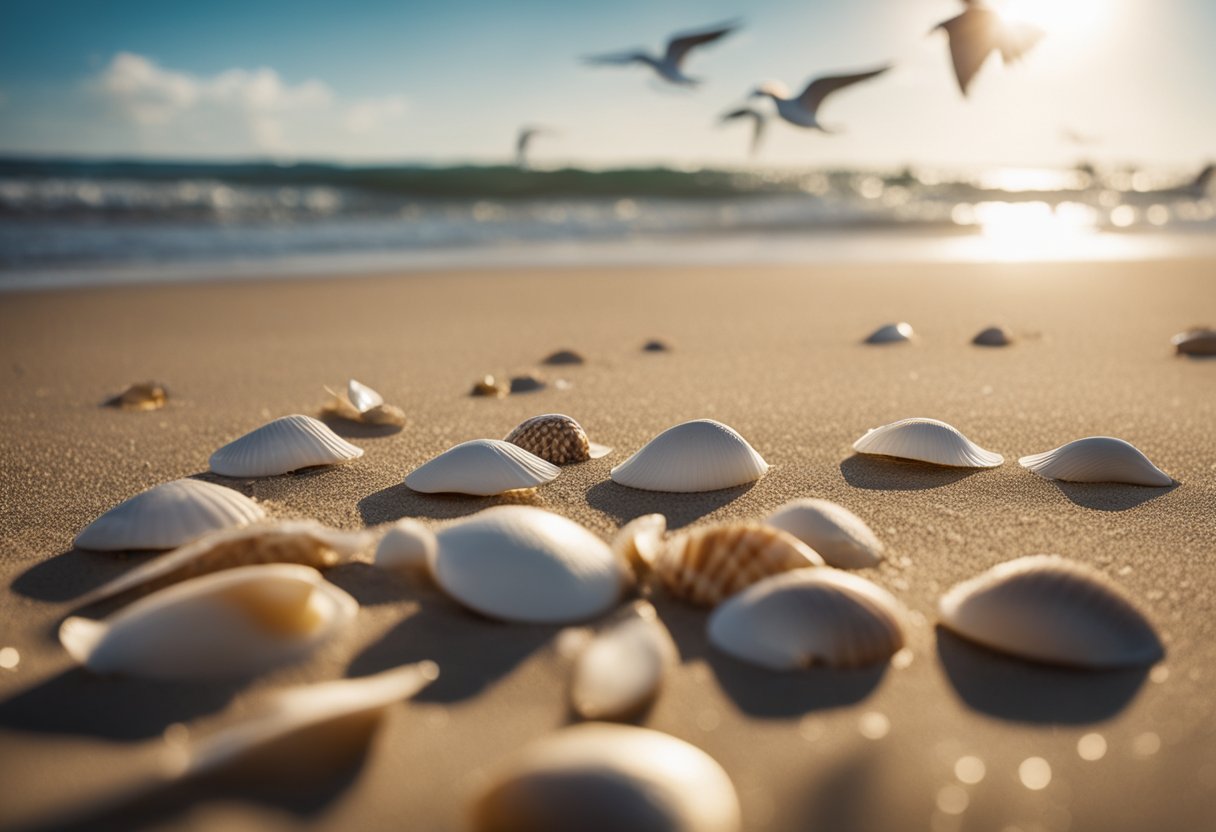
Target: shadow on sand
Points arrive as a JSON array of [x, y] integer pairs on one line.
[[397, 501], [348, 429], [884, 473], [1107, 496], [624, 504], [72, 573]]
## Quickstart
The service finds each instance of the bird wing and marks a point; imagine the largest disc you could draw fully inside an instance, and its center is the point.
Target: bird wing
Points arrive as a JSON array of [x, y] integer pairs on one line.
[[821, 88], [680, 45], [973, 35], [1016, 39], [742, 112], [615, 58]]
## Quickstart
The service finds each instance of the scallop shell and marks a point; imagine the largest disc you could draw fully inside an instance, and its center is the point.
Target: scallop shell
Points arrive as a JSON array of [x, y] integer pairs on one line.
[[702, 455], [607, 778], [840, 537], [286, 444], [291, 541], [926, 440], [519, 563], [993, 336], [621, 670], [1196, 341], [891, 334], [231, 623], [483, 467], [1097, 459], [809, 617], [556, 438], [144, 395], [167, 516], [706, 565], [489, 386], [640, 542], [1049, 609], [563, 357], [407, 546]]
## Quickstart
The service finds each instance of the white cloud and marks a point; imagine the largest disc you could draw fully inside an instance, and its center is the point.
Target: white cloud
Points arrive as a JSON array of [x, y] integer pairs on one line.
[[369, 114]]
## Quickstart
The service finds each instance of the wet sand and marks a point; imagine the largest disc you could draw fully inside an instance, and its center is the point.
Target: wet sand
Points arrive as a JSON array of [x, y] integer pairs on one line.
[[774, 352]]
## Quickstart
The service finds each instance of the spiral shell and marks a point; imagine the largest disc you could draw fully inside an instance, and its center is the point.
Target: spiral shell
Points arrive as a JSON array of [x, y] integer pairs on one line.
[[556, 438]]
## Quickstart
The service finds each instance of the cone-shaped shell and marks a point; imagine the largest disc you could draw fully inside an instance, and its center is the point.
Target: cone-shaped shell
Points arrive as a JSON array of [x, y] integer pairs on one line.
[[286, 444], [809, 617], [1048, 609], [621, 670], [702, 455], [891, 334], [707, 565], [608, 778], [993, 336], [483, 467], [1198, 341], [169, 515], [556, 438], [926, 440], [231, 623], [1097, 459], [840, 537], [305, 542], [519, 563], [407, 546]]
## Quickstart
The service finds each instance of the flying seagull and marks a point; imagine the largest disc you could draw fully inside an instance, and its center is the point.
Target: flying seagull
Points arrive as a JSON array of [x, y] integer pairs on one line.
[[803, 111], [980, 30], [758, 121], [524, 139], [669, 66]]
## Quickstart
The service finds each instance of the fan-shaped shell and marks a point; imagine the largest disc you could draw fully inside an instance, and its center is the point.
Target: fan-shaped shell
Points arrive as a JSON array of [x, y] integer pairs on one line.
[[1049, 609], [707, 565], [891, 334], [621, 670], [169, 515], [840, 537], [407, 546], [993, 336], [1197, 341], [809, 617], [520, 563], [701, 455], [1097, 459], [608, 778], [483, 467], [291, 541], [231, 623], [556, 438], [926, 440], [286, 444]]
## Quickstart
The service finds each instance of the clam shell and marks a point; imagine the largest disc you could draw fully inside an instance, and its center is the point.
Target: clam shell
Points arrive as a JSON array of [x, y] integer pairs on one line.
[[407, 546], [563, 357], [519, 563], [1197, 341], [707, 565], [1049, 609], [291, 541], [993, 336], [840, 537], [702, 455], [286, 444], [144, 395], [926, 440], [362, 397], [231, 623], [169, 515], [891, 334], [483, 467], [640, 542], [621, 670], [1097, 459], [608, 778], [556, 438], [809, 617]]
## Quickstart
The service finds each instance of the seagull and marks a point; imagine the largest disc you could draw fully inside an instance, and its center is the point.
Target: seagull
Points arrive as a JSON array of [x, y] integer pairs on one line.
[[803, 111], [758, 121], [669, 66], [526, 134], [979, 30]]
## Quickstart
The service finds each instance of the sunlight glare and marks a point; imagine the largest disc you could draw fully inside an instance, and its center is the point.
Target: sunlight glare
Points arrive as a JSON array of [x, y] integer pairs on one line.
[[1034, 230], [1057, 16]]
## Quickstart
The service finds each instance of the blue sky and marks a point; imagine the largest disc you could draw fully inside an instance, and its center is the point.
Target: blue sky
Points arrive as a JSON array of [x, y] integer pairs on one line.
[[452, 81]]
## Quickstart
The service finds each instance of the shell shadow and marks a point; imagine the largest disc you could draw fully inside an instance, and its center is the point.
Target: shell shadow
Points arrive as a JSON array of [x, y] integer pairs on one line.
[[397, 501], [72, 573], [349, 429], [1022, 691], [844, 796], [623, 504], [1107, 496], [371, 586], [881, 473]]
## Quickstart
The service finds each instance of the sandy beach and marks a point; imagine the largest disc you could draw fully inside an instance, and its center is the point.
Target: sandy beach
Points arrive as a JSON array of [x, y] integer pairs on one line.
[[774, 352]]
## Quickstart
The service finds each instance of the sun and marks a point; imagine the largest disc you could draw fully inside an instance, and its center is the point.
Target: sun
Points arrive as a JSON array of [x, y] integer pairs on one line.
[[1058, 16]]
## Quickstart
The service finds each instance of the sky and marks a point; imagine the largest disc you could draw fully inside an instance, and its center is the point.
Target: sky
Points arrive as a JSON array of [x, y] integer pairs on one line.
[[452, 81]]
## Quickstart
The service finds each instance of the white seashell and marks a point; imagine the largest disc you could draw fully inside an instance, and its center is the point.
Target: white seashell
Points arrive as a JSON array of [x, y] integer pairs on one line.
[[608, 778], [407, 546], [640, 542], [809, 617], [1200, 340], [520, 563], [231, 623], [362, 397], [891, 334], [926, 440], [361, 403], [1049, 609], [701, 455], [169, 515], [993, 336], [621, 670], [286, 444], [483, 467], [305, 542], [840, 537], [556, 438], [1097, 459]]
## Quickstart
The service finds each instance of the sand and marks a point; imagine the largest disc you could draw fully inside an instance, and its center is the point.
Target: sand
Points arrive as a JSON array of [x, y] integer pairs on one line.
[[772, 351]]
